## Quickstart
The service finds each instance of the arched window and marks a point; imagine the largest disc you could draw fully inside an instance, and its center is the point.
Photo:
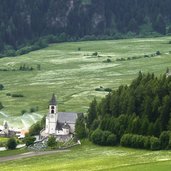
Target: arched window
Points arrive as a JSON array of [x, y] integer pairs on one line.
[[52, 111]]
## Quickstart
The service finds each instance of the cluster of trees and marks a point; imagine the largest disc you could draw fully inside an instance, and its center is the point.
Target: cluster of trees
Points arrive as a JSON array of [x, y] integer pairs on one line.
[[138, 115], [78, 20], [24, 67]]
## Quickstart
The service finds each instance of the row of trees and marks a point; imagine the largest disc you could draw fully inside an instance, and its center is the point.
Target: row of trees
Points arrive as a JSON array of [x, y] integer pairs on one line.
[[134, 114]]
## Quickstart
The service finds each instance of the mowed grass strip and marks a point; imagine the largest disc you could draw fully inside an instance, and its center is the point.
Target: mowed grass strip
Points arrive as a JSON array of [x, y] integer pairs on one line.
[[92, 157], [73, 75]]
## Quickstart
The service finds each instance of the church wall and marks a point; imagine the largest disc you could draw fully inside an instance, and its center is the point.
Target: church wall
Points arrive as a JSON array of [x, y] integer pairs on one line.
[[72, 127], [47, 125], [52, 128]]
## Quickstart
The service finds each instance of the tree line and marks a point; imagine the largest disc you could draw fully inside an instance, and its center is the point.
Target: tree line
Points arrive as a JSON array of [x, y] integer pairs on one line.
[[23, 23], [138, 115]]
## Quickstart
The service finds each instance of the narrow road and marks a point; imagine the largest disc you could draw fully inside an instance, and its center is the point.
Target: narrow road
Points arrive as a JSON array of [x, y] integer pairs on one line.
[[30, 154]]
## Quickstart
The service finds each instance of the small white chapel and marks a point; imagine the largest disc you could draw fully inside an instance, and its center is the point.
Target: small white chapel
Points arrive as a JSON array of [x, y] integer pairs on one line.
[[58, 123]]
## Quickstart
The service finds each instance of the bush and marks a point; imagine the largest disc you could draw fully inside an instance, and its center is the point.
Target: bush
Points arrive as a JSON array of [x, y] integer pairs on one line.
[[139, 141], [164, 139], [11, 144], [1, 106], [96, 136], [112, 140], [8, 94], [126, 140], [108, 89], [17, 95], [155, 143], [52, 142], [23, 112], [103, 137], [94, 54], [1, 87], [158, 53], [34, 109], [29, 140]]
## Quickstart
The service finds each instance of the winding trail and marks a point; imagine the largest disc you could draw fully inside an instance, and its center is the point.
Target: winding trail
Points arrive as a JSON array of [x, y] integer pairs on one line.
[[30, 154]]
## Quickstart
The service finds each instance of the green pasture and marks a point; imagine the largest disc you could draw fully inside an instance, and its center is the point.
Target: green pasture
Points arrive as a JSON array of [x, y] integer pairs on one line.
[[94, 158], [3, 141], [71, 72]]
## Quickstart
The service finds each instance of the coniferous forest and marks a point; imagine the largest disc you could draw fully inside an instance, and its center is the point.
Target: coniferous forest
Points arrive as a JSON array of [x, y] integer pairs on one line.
[[138, 115], [23, 23]]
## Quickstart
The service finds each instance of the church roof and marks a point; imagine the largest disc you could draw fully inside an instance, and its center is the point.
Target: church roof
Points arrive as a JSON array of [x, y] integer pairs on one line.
[[67, 117], [65, 126], [53, 100]]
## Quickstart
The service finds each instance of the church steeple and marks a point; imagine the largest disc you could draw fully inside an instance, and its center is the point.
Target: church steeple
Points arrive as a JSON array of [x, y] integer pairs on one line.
[[53, 100], [53, 105]]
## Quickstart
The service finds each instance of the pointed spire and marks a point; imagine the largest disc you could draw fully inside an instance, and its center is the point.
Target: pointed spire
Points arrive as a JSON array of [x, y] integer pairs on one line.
[[53, 100]]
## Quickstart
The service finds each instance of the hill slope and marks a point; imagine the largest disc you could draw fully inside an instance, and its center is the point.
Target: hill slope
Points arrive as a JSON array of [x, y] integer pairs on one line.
[[71, 72], [24, 20]]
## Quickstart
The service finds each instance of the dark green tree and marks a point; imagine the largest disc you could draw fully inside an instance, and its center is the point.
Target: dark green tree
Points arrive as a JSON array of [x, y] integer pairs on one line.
[[52, 142], [92, 113], [11, 144], [80, 127], [29, 140]]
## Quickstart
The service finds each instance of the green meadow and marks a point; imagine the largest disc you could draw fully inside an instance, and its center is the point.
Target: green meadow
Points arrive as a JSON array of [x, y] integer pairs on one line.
[[71, 72], [94, 158]]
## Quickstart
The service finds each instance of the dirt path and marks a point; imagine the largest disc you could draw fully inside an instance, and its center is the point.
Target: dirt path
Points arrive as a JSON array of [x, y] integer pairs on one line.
[[30, 154]]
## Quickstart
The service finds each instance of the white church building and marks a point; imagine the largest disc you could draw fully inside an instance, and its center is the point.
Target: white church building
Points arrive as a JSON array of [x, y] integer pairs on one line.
[[58, 123]]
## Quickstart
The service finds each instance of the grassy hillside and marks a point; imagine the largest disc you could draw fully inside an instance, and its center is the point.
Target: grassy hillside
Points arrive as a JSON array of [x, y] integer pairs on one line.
[[91, 157], [71, 72]]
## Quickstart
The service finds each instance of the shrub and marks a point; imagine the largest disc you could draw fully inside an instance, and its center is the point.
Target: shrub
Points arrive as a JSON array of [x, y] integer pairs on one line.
[[155, 143], [158, 53], [33, 109], [103, 137], [8, 94], [1, 106], [23, 112], [112, 139], [164, 139], [29, 140], [1, 87], [108, 89], [11, 144], [94, 54], [147, 143], [17, 95], [96, 136], [135, 141], [52, 142], [126, 140], [108, 60]]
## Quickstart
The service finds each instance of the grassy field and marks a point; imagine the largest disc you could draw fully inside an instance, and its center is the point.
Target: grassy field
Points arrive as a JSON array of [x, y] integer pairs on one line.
[[73, 75], [91, 157]]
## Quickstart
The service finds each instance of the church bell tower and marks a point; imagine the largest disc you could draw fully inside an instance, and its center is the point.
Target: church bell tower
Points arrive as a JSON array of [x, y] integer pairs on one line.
[[51, 119]]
